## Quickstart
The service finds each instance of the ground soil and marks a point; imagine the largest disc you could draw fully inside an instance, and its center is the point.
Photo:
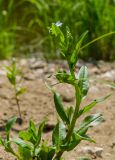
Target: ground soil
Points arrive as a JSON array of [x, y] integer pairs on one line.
[[37, 102]]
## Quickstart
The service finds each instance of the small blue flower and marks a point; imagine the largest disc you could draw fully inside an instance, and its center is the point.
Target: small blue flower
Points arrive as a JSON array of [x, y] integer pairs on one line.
[[58, 24]]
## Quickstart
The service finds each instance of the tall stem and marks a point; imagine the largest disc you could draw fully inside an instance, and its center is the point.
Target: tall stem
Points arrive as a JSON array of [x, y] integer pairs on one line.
[[78, 101], [74, 118], [17, 102]]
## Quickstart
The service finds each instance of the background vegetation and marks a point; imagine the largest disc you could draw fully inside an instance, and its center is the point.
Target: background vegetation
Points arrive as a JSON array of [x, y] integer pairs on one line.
[[24, 26]]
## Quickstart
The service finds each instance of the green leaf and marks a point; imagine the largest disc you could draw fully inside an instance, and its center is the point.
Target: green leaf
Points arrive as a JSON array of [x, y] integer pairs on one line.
[[90, 121], [30, 135], [20, 91], [97, 39], [1, 141], [25, 135], [22, 143], [74, 57], [12, 72], [83, 82], [43, 154], [59, 108], [69, 113], [24, 152], [46, 152], [64, 77], [59, 134], [76, 139], [9, 124], [69, 44], [11, 78], [80, 133], [40, 131], [32, 129], [51, 153], [91, 105], [57, 32]]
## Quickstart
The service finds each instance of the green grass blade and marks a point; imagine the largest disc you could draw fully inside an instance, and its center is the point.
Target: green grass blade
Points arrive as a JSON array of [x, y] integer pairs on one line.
[[98, 38]]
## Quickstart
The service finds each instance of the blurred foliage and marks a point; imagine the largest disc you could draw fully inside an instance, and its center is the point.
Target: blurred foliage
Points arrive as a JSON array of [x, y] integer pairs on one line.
[[24, 26]]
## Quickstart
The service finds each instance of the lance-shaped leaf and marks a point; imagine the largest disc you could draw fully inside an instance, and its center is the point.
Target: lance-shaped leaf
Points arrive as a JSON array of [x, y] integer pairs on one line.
[[25, 135], [83, 82], [20, 91], [70, 112], [40, 131], [59, 134], [46, 152], [1, 141], [22, 143], [9, 125], [91, 105], [51, 153], [90, 121], [24, 152], [80, 133], [69, 44], [74, 57], [29, 135], [59, 108], [55, 29], [76, 139]]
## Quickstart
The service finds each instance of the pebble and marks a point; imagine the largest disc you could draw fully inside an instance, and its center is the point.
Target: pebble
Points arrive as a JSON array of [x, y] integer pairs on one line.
[[67, 93], [29, 77], [95, 151], [38, 65], [109, 75], [50, 68], [113, 144], [94, 70], [67, 99]]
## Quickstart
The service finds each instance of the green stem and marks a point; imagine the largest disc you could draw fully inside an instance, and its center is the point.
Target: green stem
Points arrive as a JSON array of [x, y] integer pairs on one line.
[[78, 101], [17, 102]]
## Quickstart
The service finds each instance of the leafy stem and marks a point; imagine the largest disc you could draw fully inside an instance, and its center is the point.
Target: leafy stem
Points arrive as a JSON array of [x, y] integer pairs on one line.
[[75, 115], [17, 101], [14, 76]]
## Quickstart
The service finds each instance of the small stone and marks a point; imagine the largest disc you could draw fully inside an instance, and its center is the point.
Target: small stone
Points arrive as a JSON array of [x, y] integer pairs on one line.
[[95, 151], [19, 121], [38, 65], [67, 99], [94, 70], [50, 69], [109, 75], [113, 144], [38, 73], [29, 77], [67, 93], [108, 154], [5, 114], [98, 151]]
